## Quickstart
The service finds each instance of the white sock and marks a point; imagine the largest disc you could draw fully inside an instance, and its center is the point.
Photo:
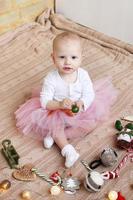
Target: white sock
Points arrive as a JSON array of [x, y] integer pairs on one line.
[[71, 155], [48, 142]]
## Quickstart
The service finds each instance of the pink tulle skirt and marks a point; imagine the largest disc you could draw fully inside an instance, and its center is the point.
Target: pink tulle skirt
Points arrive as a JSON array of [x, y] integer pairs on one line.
[[33, 120]]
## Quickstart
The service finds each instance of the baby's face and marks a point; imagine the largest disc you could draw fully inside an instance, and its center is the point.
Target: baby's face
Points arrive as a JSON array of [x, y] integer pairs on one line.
[[67, 56]]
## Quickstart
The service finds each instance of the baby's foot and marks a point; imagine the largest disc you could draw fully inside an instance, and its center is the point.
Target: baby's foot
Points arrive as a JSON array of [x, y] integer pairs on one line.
[[48, 142], [71, 155]]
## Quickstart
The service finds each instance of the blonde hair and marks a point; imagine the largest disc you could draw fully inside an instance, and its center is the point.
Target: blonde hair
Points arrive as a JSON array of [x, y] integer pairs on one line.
[[65, 36]]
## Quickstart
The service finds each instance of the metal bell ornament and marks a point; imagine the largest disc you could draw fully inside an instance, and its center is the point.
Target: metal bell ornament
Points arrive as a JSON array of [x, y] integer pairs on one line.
[[94, 181], [108, 158]]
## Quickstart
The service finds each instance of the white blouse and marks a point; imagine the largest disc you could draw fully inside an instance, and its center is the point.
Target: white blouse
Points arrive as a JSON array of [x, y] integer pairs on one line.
[[55, 88]]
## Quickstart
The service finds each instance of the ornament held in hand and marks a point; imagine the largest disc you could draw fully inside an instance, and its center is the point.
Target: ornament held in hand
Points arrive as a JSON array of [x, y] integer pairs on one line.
[[75, 108]]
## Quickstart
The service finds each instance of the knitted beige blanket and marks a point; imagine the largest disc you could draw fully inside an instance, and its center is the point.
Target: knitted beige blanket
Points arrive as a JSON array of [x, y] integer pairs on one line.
[[25, 58]]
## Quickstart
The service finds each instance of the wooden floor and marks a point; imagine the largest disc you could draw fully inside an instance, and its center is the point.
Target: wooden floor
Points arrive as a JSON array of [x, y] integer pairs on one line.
[[24, 61]]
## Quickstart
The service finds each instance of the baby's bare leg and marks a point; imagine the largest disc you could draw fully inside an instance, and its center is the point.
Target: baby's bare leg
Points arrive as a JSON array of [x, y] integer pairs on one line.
[[67, 150], [60, 139]]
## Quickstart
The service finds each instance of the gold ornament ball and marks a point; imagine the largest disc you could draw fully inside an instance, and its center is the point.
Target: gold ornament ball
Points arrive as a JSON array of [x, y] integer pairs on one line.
[[26, 195], [5, 184], [112, 195], [55, 190]]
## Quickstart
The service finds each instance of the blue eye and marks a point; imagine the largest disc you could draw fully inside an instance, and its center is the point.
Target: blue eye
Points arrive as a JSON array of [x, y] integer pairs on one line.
[[74, 57]]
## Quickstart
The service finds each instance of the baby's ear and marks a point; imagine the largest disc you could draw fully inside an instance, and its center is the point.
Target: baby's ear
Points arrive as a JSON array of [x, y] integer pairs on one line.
[[52, 56]]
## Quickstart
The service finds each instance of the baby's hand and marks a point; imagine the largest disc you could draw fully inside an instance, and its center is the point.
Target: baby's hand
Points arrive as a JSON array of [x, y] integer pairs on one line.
[[80, 105], [66, 103]]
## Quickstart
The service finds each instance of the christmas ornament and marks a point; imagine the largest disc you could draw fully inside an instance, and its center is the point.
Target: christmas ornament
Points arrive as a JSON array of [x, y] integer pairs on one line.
[[26, 195], [10, 153], [125, 136], [24, 173], [120, 197], [94, 180], [108, 157], [70, 185], [112, 195], [125, 139], [75, 108], [55, 176], [118, 125], [4, 185], [55, 190], [129, 126]]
